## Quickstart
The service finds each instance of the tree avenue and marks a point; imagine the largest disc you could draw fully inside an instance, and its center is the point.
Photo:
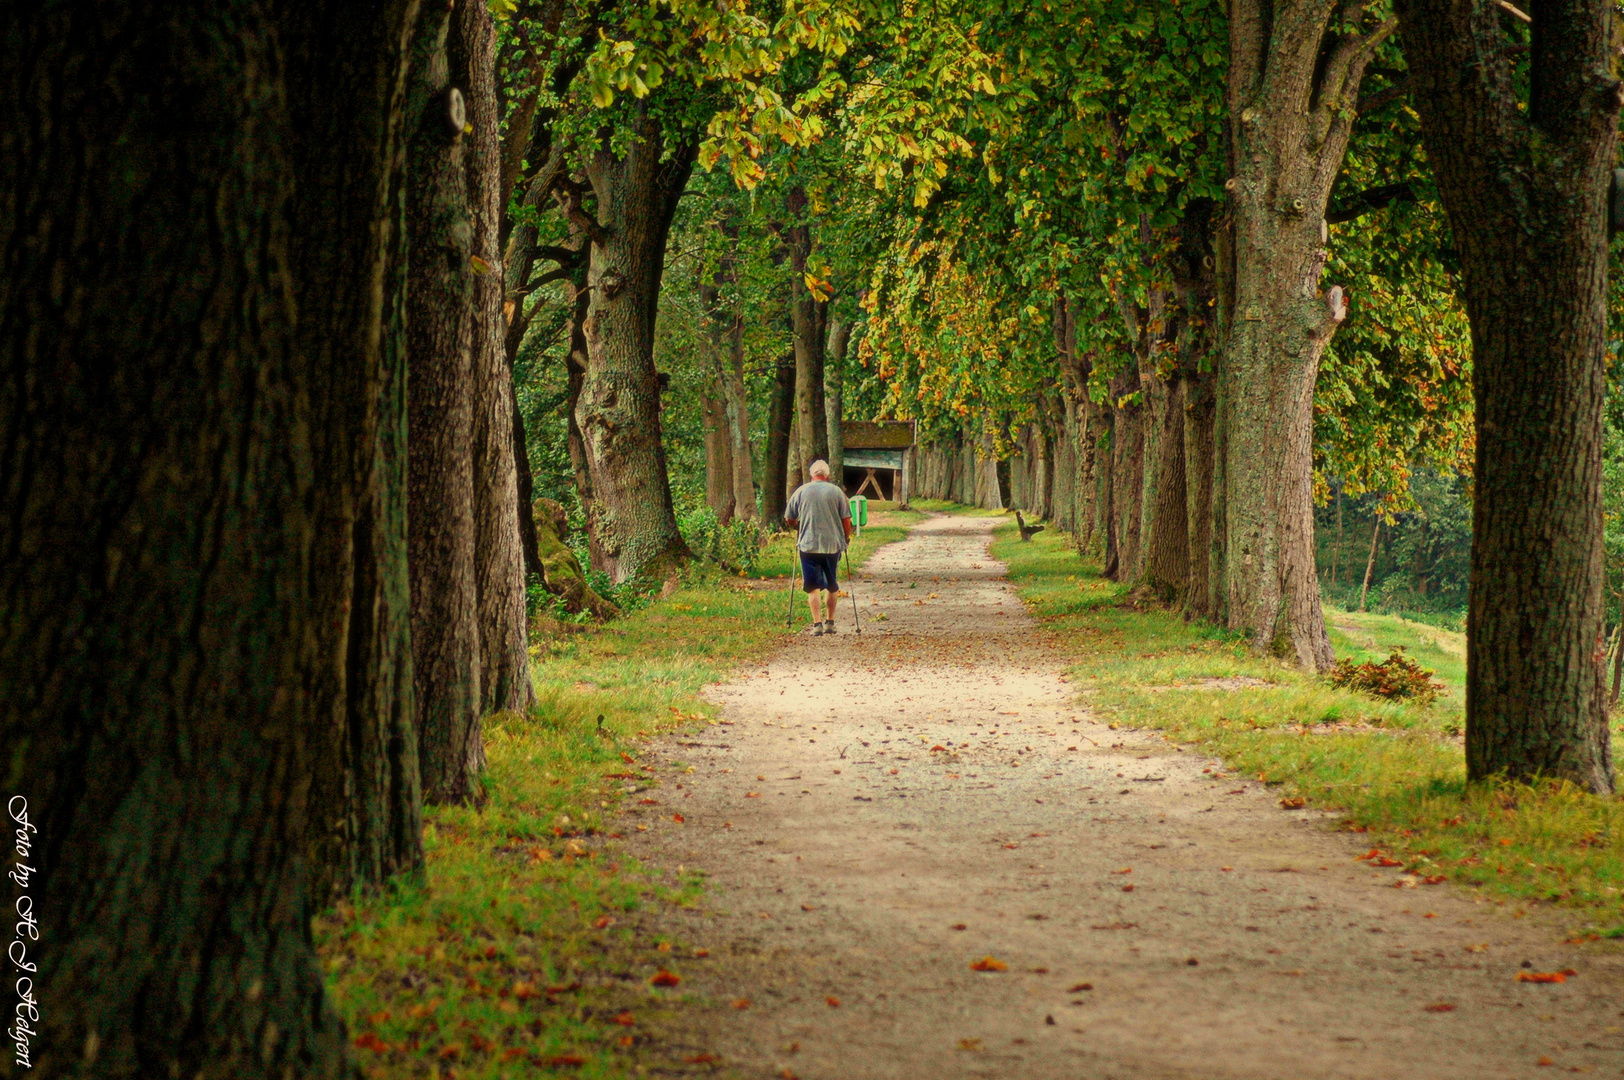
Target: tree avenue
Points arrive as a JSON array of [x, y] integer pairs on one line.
[[362, 347]]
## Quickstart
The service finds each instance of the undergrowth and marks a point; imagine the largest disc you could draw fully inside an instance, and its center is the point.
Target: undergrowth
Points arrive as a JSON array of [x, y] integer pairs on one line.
[[1391, 766], [518, 954]]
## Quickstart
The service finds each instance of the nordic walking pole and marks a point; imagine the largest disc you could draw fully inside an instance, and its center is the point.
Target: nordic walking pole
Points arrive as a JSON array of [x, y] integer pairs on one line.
[[850, 581]]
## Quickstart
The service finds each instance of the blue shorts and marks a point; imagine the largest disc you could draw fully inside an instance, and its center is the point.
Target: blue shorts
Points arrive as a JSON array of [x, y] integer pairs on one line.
[[818, 571]]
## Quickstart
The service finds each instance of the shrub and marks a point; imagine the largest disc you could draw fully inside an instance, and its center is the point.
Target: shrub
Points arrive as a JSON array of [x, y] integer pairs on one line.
[[1396, 677], [735, 546]]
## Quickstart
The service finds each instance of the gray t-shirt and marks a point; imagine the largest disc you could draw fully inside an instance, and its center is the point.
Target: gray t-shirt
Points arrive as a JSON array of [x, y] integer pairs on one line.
[[819, 507]]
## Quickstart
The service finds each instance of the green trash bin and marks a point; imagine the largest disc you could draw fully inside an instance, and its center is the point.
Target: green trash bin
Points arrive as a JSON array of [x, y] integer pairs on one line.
[[859, 510]]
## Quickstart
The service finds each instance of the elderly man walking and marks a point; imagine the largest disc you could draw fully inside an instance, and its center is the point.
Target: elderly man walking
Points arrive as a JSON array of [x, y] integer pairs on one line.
[[822, 519]]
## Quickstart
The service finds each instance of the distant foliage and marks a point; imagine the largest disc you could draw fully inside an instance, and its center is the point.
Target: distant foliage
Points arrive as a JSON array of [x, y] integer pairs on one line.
[[1396, 677], [735, 546]]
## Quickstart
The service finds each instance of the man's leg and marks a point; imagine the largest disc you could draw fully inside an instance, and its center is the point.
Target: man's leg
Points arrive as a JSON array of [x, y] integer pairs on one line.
[[814, 600]]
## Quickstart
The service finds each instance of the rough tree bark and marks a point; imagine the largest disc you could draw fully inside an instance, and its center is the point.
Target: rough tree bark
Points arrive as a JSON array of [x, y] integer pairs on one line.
[[1166, 509], [776, 466], [1127, 480], [718, 457], [834, 394], [502, 622], [1525, 186], [348, 256], [725, 340], [809, 319], [1294, 81], [1195, 278], [170, 661], [440, 504], [619, 409], [736, 408]]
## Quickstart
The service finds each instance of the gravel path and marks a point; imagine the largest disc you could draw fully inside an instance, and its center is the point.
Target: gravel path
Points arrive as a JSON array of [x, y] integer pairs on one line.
[[884, 811]]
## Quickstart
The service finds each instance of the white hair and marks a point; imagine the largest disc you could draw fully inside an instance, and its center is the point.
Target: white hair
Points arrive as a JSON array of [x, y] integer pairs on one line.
[[818, 468]]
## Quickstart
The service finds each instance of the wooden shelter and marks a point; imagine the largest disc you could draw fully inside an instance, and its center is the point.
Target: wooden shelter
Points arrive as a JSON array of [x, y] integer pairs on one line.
[[878, 460]]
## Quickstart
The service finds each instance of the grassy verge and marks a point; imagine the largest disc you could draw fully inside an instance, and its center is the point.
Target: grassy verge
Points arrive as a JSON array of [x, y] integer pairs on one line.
[[518, 956], [1393, 768]]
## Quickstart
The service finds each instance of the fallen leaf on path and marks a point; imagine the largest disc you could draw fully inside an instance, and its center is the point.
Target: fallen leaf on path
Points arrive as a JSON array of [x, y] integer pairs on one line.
[[603, 921], [1440, 1007], [752, 794], [960, 926], [665, 978], [1115, 926], [678, 818], [1433, 879], [1124, 870], [1544, 1061], [938, 749], [1544, 976], [1477, 948], [969, 1044], [834, 1002], [1080, 987], [703, 1059], [893, 772], [1226, 868], [741, 1003], [624, 1019], [701, 952], [1293, 804], [1238, 791], [1385, 861], [987, 963]]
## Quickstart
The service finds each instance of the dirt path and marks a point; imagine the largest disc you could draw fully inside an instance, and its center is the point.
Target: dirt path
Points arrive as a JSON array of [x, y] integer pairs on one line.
[[884, 811]]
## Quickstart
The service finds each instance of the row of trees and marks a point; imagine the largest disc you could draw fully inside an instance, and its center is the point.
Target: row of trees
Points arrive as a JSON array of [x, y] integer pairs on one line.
[[268, 486]]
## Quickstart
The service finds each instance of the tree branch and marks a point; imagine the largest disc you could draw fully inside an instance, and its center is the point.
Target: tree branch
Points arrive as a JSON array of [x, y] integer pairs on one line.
[[567, 193], [1369, 200]]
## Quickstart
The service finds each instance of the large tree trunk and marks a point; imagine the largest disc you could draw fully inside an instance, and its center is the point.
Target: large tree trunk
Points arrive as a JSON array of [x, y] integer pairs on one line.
[[834, 393], [718, 457], [736, 409], [1525, 186], [1294, 84], [779, 428], [174, 647], [348, 255], [619, 409], [1166, 520], [504, 639], [1198, 289], [809, 323], [1127, 467], [440, 503], [1199, 415], [729, 461]]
